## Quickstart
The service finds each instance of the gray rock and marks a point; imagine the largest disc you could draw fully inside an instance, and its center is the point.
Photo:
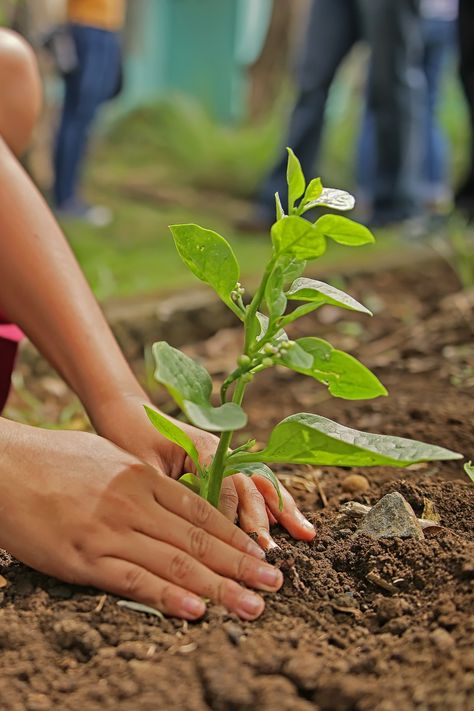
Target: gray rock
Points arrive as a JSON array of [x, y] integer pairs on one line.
[[391, 517]]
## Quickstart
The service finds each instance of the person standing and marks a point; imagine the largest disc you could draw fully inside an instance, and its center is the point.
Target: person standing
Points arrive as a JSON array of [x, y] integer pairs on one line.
[[438, 35], [395, 92], [95, 27]]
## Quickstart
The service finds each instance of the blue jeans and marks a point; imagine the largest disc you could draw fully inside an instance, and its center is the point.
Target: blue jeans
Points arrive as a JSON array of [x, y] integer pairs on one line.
[[333, 28], [393, 30], [93, 82], [438, 41]]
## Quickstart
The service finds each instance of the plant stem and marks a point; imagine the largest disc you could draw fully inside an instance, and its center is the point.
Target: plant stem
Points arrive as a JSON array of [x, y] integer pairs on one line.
[[216, 472], [255, 303]]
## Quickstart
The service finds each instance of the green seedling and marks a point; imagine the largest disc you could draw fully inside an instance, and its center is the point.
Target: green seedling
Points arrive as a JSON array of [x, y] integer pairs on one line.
[[303, 438]]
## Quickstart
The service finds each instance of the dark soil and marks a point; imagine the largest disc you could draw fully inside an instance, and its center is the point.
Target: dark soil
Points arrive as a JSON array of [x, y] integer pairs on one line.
[[360, 625]]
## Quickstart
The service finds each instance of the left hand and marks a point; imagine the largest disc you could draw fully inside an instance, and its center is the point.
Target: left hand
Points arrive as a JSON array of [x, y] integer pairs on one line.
[[252, 500]]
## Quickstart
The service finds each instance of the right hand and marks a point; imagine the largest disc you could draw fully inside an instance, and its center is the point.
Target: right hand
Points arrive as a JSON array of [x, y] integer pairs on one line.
[[79, 508]]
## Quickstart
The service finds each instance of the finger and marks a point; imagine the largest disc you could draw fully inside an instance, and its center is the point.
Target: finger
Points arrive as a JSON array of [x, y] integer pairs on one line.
[[229, 500], [253, 511], [271, 518], [179, 500], [205, 549], [290, 517], [180, 569], [132, 581]]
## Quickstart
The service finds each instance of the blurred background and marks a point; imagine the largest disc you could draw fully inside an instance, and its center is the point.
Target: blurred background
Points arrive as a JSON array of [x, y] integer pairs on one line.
[[206, 91], [166, 111]]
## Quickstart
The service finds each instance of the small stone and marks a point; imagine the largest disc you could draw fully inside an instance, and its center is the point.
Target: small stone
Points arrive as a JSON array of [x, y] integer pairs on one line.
[[443, 640], [391, 517], [355, 483]]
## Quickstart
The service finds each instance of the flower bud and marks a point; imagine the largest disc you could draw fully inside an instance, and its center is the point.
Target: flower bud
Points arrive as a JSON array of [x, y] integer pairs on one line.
[[247, 377], [267, 362], [243, 360]]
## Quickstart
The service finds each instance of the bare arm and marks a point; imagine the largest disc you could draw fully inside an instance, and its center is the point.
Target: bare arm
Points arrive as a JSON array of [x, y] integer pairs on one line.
[[43, 290]]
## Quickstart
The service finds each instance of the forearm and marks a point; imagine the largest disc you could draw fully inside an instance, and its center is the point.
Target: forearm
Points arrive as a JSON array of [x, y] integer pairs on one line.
[[43, 290]]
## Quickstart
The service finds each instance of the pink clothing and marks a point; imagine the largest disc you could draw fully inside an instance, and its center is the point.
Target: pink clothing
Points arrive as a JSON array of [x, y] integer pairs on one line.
[[10, 336]]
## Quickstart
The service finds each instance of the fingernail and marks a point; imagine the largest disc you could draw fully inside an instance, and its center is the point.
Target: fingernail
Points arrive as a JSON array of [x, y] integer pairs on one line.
[[272, 546], [270, 577], [255, 550], [193, 606], [304, 522], [250, 605]]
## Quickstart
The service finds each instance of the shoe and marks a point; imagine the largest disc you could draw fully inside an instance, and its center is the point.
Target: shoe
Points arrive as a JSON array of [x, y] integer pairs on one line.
[[94, 215]]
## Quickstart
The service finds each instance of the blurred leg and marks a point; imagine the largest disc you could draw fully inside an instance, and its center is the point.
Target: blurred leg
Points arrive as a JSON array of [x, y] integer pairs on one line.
[[365, 155], [465, 194], [438, 36], [332, 30], [87, 88], [395, 96]]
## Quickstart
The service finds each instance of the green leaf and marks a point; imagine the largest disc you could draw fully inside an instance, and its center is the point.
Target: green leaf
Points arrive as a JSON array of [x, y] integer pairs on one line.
[[312, 439], [312, 193], [469, 469], [280, 213], [296, 237], [332, 198], [181, 375], [264, 322], [297, 359], [274, 294], [295, 179], [344, 231], [297, 313], [190, 385], [209, 256], [172, 432], [191, 481], [225, 418], [345, 376], [260, 469], [292, 268], [321, 293]]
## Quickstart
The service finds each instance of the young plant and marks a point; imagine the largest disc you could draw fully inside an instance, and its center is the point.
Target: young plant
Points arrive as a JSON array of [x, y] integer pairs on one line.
[[303, 438]]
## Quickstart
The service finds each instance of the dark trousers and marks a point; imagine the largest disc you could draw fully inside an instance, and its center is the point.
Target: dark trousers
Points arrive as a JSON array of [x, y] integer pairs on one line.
[[438, 44], [466, 70], [333, 28], [395, 93], [93, 82]]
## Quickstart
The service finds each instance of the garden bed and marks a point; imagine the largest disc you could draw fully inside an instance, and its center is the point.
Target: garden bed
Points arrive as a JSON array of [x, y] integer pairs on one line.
[[359, 624]]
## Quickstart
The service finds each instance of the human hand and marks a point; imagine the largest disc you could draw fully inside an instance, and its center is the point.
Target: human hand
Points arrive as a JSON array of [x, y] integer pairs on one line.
[[77, 507], [252, 500]]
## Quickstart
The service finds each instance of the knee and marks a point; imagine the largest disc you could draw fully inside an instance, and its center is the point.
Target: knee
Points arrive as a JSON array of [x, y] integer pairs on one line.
[[20, 96]]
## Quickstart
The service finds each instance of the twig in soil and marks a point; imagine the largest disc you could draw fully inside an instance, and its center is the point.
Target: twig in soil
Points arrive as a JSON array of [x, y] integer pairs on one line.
[[295, 578], [138, 607], [183, 649], [101, 603], [348, 610], [374, 578], [322, 494]]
